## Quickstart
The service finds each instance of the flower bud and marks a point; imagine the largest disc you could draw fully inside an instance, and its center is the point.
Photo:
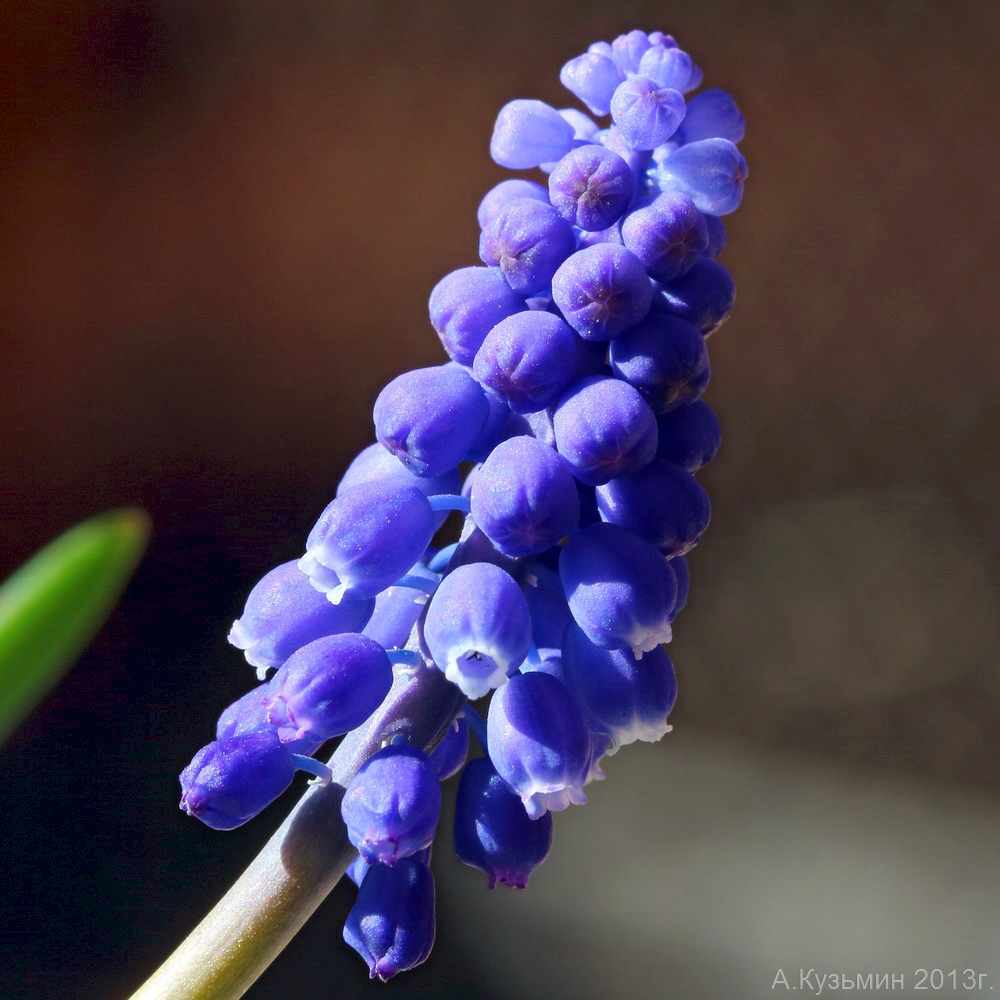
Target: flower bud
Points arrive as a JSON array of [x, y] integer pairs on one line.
[[392, 804], [492, 830], [529, 133], [329, 687], [391, 925], [231, 780]]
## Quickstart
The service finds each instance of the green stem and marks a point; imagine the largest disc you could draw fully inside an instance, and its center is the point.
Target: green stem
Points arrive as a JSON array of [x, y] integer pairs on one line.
[[298, 867]]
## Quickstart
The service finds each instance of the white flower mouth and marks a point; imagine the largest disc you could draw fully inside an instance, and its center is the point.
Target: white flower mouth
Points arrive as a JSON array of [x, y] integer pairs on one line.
[[643, 640], [475, 671]]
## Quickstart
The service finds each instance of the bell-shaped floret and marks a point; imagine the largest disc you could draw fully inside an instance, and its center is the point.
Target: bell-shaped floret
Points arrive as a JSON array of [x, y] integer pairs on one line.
[[528, 360], [619, 588], [398, 608], [391, 925], [466, 304], [391, 806], [591, 187], [704, 296], [602, 290], [711, 171], [524, 497], [527, 240], [232, 780], [492, 830], [430, 418], [665, 358], [668, 235], [329, 687], [539, 742], [604, 428], [284, 612], [478, 627], [646, 113], [529, 133], [450, 754], [249, 715], [593, 78], [712, 115], [663, 503], [622, 697], [366, 539], [689, 436], [671, 68]]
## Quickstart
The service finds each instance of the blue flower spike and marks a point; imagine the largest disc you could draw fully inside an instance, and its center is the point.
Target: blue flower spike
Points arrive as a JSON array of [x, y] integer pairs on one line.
[[566, 424]]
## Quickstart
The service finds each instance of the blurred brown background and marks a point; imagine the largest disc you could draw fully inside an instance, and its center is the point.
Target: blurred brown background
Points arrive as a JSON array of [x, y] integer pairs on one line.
[[220, 226]]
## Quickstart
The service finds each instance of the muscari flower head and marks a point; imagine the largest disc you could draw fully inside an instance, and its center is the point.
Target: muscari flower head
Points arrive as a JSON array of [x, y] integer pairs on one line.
[[568, 426]]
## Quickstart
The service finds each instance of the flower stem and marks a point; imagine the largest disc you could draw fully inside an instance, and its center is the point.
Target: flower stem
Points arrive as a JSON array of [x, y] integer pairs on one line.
[[298, 867]]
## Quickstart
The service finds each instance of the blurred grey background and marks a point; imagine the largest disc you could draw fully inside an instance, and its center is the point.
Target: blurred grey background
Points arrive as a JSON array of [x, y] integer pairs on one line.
[[220, 226]]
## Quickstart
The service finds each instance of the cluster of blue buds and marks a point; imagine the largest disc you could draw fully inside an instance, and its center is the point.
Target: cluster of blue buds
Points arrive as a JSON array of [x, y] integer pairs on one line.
[[567, 428]]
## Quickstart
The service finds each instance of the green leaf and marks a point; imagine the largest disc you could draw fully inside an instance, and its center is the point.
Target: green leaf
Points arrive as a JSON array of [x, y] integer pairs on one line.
[[52, 607]]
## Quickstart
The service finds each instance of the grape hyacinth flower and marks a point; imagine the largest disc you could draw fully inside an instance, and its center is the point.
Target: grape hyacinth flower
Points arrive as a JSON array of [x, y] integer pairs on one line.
[[567, 427]]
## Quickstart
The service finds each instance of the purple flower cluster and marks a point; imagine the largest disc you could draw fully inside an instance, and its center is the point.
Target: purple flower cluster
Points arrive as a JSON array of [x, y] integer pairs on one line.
[[567, 428]]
